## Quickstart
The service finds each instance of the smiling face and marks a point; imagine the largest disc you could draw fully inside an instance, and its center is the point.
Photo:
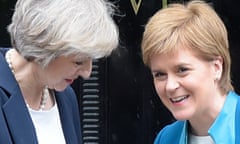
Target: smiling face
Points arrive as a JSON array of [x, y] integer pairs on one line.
[[62, 71], [185, 83]]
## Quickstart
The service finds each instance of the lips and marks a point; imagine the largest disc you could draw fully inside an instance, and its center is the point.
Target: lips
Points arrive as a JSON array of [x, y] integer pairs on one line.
[[70, 81], [178, 99]]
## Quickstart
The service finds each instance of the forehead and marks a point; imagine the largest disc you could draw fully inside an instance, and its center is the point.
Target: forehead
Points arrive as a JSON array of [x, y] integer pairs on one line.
[[70, 58], [176, 56], [78, 56]]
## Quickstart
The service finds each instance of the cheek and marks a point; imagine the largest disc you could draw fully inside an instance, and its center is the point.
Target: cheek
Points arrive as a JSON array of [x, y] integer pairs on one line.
[[197, 82], [68, 71], [159, 87]]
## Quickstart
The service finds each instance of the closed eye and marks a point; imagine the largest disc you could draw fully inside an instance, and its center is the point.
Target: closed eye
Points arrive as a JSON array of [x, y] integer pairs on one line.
[[159, 75], [78, 63]]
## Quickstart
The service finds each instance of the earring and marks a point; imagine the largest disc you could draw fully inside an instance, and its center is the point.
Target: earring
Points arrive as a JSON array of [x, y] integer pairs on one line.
[[217, 76]]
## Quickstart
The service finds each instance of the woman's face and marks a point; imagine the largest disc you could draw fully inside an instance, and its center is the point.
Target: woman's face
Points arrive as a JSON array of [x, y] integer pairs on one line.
[[62, 71], [185, 84]]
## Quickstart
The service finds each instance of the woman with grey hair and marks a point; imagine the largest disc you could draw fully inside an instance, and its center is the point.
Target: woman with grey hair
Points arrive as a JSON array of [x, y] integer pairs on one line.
[[54, 42], [187, 50]]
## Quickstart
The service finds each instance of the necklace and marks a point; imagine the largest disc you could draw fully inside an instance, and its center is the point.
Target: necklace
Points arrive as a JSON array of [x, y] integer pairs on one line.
[[45, 92], [8, 59], [44, 98]]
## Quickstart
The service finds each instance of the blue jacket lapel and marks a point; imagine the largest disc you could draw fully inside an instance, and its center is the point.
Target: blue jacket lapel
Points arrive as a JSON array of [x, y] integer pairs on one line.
[[19, 121]]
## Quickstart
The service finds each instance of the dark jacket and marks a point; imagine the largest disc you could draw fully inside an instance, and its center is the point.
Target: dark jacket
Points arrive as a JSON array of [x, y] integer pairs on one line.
[[16, 125]]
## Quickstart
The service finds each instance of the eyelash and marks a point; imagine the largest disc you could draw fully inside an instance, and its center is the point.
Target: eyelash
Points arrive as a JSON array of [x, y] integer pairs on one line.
[[161, 76], [158, 74], [78, 63], [182, 69]]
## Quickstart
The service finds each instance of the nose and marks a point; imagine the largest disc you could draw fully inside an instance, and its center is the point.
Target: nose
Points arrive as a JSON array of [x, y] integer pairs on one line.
[[172, 83], [86, 70]]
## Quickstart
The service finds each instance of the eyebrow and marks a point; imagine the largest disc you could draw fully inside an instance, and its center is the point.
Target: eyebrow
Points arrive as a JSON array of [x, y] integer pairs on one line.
[[175, 66]]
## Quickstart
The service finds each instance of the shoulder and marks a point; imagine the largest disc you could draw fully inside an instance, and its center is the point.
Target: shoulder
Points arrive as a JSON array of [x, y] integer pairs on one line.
[[67, 96], [68, 107], [69, 90], [170, 133], [233, 94], [67, 101], [2, 53]]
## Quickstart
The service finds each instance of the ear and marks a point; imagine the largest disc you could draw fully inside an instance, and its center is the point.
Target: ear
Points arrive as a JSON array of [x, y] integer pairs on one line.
[[218, 67]]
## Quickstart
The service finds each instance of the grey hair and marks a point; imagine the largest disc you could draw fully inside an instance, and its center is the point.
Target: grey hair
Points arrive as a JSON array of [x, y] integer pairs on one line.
[[42, 30]]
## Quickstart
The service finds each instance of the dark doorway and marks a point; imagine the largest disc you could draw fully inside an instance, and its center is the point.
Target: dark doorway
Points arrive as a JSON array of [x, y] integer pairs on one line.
[[118, 103]]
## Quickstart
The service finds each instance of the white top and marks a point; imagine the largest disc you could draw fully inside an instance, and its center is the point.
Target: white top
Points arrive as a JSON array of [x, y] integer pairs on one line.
[[200, 139], [48, 126]]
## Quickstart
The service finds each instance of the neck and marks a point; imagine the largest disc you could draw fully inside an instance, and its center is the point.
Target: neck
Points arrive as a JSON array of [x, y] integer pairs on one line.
[[200, 124], [35, 94]]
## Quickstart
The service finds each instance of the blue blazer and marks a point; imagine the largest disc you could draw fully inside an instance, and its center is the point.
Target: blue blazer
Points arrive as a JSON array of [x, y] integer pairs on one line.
[[16, 126], [224, 130]]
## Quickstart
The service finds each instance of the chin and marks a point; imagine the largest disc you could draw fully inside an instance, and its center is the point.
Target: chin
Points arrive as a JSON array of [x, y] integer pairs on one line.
[[181, 116], [60, 88]]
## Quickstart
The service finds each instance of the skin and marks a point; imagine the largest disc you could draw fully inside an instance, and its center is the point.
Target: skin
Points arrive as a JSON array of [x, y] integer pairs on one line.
[[64, 70], [60, 73], [188, 87]]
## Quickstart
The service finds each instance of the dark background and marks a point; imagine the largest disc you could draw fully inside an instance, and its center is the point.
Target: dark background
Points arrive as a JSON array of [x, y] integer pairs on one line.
[[118, 103]]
